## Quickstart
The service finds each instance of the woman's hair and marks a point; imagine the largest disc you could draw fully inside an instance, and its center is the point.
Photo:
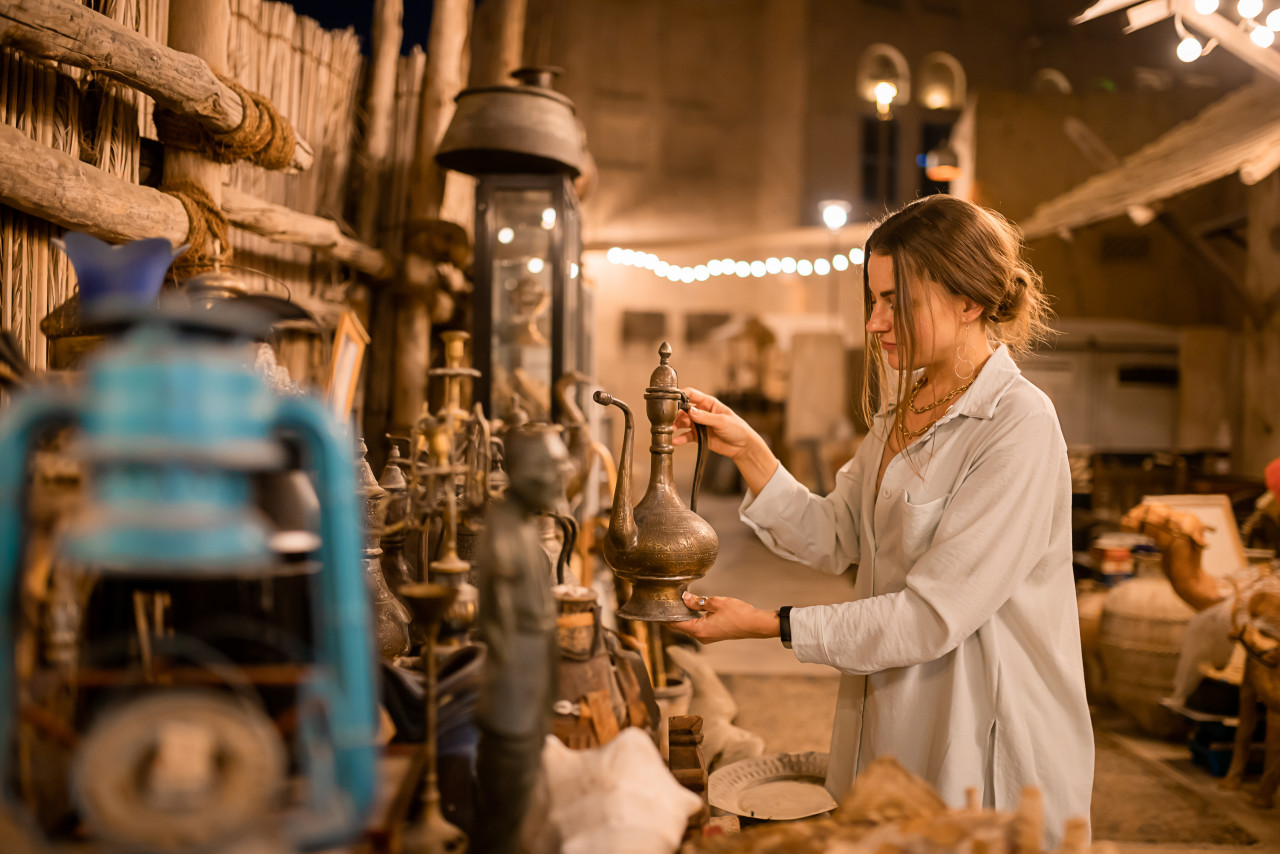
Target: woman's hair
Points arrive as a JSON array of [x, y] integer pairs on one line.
[[971, 252]]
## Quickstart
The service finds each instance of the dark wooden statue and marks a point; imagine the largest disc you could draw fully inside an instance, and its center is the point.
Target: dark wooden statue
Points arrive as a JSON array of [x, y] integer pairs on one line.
[[517, 622]]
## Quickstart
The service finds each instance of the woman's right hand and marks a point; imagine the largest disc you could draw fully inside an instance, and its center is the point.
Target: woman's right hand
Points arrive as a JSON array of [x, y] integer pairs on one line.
[[727, 434]]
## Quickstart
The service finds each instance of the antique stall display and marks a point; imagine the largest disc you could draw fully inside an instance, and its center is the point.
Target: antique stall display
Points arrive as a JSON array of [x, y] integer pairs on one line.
[[518, 625], [172, 423], [532, 312], [777, 787], [431, 833], [1256, 625], [890, 809], [659, 546], [722, 742], [391, 617]]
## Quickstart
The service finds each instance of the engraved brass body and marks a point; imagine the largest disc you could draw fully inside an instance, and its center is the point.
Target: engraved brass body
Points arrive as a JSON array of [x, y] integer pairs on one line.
[[660, 546]]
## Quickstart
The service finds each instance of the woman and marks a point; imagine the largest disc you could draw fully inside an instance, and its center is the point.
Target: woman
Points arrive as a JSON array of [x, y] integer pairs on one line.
[[961, 652]]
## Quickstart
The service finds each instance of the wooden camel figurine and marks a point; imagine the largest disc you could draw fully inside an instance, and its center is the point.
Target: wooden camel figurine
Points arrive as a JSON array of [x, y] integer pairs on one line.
[[1257, 627]]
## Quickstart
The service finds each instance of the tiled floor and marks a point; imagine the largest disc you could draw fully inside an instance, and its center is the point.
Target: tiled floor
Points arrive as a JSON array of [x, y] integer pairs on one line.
[[760, 672]]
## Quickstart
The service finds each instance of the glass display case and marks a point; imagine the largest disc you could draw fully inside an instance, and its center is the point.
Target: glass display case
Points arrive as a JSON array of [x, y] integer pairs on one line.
[[531, 310]]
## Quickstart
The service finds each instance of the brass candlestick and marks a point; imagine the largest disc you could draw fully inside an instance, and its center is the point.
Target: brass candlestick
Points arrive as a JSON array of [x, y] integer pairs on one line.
[[431, 833]]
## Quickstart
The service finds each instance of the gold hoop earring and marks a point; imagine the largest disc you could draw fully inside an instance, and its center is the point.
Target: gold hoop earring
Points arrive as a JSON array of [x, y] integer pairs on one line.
[[962, 359]]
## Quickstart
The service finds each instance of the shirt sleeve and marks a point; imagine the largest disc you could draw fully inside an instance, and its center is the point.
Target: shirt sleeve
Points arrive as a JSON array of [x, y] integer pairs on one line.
[[798, 525], [995, 529]]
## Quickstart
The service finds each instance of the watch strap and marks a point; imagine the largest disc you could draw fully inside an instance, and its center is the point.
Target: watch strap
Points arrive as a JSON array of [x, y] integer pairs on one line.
[[784, 625]]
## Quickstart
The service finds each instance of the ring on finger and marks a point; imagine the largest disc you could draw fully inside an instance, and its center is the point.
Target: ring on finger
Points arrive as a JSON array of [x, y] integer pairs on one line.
[[702, 601]]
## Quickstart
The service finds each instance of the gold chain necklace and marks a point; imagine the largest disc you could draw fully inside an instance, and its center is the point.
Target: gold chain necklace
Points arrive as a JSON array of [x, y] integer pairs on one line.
[[911, 402]]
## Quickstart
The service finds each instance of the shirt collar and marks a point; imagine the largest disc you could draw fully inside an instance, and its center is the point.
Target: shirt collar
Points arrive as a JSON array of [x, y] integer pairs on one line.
[[980, 400]]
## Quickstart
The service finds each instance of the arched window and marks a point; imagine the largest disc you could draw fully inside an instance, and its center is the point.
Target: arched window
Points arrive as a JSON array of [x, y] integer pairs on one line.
[[941, 82], [1048, 81], [882, 63]]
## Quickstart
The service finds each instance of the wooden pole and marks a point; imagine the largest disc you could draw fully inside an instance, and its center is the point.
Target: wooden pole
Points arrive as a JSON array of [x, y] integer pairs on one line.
[[180, 80], [1260, 441], [443, 80], [200, 28], [497, 42], [387, 35]]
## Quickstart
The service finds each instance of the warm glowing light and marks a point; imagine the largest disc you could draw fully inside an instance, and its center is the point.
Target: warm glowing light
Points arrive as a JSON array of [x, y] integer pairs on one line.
[[614, 254], [673, 273], [742, 268], [937, 98], [840, 262], [726, 266], [535, 265], [773, 265], [1249, 8], [549, 218], [1273, 20], [822, 266], [788, 265], [1206, 7], [713, 266], [573, 271], [1262, 36], [661, 268], [506, 235], [1189, 49], [804, 267], [835, 213], [855, 255], [701, 273], [758, 269], [628, 255], [686, 275], [885, 91]]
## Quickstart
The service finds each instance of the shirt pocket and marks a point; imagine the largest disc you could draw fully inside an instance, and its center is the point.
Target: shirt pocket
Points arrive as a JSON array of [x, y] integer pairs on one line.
[[919, 524]]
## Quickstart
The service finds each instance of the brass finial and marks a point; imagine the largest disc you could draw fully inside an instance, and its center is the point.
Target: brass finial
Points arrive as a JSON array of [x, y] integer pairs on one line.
[[664, 352]]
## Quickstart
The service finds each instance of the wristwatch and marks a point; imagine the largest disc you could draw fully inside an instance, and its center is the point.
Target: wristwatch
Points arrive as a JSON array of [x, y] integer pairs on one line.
[[784, 625]]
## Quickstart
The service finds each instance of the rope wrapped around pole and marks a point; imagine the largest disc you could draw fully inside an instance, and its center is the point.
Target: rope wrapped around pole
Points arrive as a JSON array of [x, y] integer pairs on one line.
[[207, 231], [264, 136]]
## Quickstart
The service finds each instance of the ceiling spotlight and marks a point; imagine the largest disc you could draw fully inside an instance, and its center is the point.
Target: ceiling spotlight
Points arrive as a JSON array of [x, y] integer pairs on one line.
[[1189, 49]]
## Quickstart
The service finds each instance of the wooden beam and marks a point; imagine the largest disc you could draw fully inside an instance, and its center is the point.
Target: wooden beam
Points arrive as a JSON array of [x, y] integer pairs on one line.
[[67, 32], [285, 225], [53, 186]]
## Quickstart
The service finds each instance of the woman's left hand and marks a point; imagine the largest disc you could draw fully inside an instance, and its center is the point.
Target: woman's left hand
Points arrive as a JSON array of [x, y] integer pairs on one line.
[[724, 618]]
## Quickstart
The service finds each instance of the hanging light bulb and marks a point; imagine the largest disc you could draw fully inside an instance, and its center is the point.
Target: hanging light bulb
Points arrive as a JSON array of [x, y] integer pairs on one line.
[[661, 268], [821, 266], [773, 265], [713, 266], [804, 267], [1206, 7], [1189, 49], [758, 269], [506, 235], [701, 273], [535, 265], [1249, 8], [614, 255], [743, 269], [1273, 20], [840, 262], [1262, 36], [788, 265], [855, 255]]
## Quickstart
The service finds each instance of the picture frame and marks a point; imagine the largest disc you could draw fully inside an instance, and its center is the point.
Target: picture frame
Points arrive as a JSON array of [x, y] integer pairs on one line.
[[349, 343]]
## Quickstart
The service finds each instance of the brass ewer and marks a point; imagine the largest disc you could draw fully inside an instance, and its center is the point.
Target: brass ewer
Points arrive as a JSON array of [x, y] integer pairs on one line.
[[659, 545]]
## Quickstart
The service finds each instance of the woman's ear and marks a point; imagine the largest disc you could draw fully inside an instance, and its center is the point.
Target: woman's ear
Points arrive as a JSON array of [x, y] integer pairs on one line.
[[970, 311]]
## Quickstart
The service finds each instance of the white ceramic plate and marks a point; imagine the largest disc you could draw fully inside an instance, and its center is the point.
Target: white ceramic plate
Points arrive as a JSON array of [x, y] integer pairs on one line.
[[777, 787]]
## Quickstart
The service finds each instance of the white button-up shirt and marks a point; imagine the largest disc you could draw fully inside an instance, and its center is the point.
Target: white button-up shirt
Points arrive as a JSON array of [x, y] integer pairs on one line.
[[961, 652]]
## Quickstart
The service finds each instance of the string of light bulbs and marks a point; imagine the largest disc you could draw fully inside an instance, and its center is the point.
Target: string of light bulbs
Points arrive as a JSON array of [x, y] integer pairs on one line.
[[1261, 33], [820, 266]]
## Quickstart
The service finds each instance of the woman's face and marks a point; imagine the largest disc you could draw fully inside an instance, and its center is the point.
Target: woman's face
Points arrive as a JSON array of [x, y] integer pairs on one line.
[[939, 318]]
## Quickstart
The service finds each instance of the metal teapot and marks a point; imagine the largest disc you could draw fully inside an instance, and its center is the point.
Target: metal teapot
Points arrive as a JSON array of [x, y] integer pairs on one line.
[[659, 545]]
